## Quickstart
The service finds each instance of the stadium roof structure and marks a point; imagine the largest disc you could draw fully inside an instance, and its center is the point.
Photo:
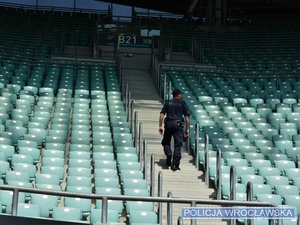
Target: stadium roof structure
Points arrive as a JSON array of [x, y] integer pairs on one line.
[[190, 7]]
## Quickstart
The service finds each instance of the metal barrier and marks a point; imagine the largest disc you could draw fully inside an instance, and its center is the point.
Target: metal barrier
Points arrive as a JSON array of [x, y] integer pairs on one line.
[[169, 200], [152, 175], [218, 177], [197, 146], [206, 156]]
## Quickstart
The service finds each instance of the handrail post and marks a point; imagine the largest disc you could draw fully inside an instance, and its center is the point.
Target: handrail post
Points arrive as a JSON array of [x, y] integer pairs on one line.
[[206, 160], [131, 110], [104, 210], [170, 90], [197, 145], [136, 129], [14, 205], [140, 140], [145, 160], [126, 99], [179, 221], [165, 88], [152, 175], [187, 142], [169, 210], [249, 191], [159, 194], [128, 105], [232, 188], [193, 204], [219, 175]]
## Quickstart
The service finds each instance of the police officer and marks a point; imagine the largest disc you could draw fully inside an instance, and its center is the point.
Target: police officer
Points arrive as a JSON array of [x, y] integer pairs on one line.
[[174, 110]]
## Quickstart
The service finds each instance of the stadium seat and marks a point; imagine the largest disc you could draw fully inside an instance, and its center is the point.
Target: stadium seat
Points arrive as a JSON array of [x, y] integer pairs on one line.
[[272, 198], [45, 202], [28, 210], [274, 181], [284, 190], [96, 216], [66, 214]]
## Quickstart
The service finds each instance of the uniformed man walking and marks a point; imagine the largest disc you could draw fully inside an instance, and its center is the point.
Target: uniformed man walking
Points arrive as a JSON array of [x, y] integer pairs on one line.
[[173, 113]]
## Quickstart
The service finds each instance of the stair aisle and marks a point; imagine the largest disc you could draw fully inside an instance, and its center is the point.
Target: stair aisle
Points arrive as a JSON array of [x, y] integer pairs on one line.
[[186, 183]]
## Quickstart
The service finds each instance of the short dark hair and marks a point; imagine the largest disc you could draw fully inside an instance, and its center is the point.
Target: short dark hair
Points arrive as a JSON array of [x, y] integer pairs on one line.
[[176, 92]]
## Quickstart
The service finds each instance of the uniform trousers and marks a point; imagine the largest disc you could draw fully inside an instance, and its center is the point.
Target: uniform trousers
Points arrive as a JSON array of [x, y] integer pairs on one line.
[[173, 129]]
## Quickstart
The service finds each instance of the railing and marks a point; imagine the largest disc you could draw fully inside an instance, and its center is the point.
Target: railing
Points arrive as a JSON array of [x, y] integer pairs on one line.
[[169, 200]]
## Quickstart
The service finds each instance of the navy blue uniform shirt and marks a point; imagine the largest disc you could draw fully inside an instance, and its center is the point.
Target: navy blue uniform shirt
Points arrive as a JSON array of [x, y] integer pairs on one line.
[[175, 109]]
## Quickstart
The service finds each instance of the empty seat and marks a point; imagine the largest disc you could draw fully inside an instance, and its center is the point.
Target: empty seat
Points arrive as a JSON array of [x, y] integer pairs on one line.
[[273, 181], [78, 171], [254, 179], [83, 204], [57, 162], [53, 170], [292, 173], [78, 181], [269, 171], [282, 165], [6, 200], [45, 202], [284, 190], [28, 210], [18, 158], [275, 157], [259, 163], [142, 216], [272, 198], [96, 216], [17, 176], [47, 179], [66, 214], [261, 189]]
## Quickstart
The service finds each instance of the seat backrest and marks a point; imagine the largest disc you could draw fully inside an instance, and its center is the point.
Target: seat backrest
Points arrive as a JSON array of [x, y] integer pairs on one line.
[[142, 216], [28, 210], [272, 198], [47, 179], [79, 181], [66, 213], [135, 183], [269, 171], [45, 202], [96, 216], [284, 190], [273, 181], [254, 179]]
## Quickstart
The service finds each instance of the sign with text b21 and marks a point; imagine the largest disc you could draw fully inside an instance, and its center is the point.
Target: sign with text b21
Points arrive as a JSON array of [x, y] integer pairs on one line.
[[238, 213]]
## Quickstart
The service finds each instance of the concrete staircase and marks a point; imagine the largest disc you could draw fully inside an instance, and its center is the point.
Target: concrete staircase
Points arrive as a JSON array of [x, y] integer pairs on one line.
[[186, 183]]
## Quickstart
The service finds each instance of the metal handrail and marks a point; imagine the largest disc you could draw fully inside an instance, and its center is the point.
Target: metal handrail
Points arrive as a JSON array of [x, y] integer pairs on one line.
[[197, 146], [218, 177], [144, 162], [159, 194], [169, 209], [140, 149], [206, 156], [232, 188], [136, 133], [105, 198], [152, 175]]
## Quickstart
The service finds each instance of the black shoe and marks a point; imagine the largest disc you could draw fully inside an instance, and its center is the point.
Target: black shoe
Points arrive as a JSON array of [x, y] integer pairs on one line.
[[174, 168], [169, 158]]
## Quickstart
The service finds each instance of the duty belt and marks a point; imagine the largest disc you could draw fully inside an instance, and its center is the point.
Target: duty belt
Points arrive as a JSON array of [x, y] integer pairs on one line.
[[174, 120]]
